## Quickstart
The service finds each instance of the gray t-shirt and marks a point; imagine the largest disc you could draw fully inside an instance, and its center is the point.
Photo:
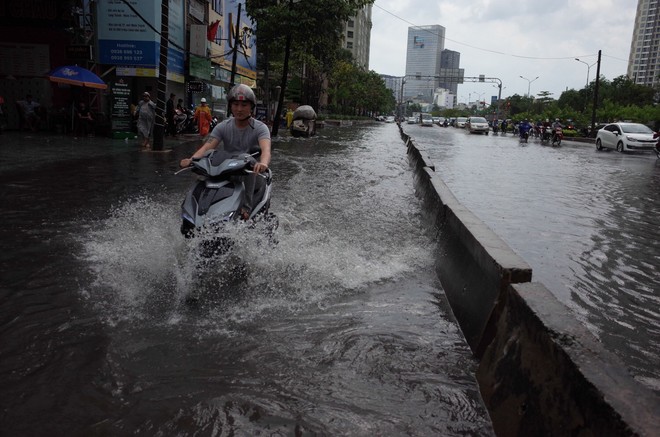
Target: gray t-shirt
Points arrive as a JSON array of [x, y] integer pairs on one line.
[[240, 140]]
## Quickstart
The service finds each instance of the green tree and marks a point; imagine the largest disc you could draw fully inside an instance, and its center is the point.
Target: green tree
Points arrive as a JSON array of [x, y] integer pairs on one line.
[[356, 92], [572, 99], [315, 32]]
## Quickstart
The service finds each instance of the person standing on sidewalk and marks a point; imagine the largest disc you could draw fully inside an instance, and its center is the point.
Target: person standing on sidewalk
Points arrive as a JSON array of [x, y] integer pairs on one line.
[[146, 111], [203, 117], [84, 121], [30, 108]]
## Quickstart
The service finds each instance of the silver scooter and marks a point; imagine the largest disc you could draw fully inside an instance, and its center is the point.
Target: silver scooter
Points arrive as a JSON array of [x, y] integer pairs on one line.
[[216, 199]]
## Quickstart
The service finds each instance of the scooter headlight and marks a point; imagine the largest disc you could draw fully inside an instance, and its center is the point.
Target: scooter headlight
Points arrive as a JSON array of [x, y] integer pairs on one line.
[[223, 219], [186, 216]]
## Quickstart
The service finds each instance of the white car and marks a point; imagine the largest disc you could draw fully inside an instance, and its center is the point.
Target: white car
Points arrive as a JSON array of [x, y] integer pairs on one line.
[[427, 120], [477, 125], [460, 122], [412, 120], [389, 119], [625, 137]]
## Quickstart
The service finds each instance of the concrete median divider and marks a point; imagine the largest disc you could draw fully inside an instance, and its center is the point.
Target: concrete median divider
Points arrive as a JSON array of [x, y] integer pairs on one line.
[[540, 371]]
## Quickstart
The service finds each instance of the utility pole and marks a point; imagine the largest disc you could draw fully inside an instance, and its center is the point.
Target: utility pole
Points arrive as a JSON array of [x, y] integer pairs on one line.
[[237, 41], [159, 128], [499, 97], [285, 75], [596, 87]]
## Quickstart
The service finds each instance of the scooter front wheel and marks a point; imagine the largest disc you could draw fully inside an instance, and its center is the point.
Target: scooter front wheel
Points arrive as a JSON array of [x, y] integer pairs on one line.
[[187, 229]]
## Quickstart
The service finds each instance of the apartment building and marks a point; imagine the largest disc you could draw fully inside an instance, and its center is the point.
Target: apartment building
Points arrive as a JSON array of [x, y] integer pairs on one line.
[[644, 59]]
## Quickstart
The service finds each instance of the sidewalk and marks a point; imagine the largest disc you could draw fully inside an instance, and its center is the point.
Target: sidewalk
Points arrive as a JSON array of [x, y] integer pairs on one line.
[[21, 149]]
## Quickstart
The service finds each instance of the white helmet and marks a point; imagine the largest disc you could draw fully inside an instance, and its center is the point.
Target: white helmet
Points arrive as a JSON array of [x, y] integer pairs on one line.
[[242, 92], [203, 100]]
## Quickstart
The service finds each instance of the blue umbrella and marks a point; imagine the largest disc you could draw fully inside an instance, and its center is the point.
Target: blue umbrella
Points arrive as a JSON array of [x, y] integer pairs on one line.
[[78, 76]]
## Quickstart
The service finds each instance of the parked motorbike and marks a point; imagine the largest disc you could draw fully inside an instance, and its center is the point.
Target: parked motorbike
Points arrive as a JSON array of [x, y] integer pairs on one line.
[[215, 200], [557, 136], [184, 121]]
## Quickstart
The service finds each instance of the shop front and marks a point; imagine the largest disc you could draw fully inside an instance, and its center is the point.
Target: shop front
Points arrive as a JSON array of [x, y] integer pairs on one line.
[[129, 40]]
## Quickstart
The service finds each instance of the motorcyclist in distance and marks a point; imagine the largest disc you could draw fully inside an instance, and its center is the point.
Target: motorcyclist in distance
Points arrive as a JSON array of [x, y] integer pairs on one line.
[[524, 127], [240, 134], [545, 129], [557, 124]]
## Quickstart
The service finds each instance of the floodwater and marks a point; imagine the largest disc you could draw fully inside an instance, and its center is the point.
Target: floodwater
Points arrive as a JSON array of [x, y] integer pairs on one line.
[[585, 221], [341, 328]]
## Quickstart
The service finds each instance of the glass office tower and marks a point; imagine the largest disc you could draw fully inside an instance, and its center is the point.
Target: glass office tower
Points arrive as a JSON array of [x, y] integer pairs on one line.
[[423, 61]]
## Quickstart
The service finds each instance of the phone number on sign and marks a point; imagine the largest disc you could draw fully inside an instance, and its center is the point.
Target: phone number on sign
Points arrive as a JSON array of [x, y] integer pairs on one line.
[[125, 58]]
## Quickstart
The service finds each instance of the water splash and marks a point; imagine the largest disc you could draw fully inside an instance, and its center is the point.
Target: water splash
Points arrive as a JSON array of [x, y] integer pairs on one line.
[[144, 269]]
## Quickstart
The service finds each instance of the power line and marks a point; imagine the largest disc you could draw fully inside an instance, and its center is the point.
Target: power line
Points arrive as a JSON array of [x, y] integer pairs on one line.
[[489, 50]]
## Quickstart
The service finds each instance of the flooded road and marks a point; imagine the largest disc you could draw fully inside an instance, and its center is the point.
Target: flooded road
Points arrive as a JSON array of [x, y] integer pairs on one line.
[[342, 328], [585, 221]]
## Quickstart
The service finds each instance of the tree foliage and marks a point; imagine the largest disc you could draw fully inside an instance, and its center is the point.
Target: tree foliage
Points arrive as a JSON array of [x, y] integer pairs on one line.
[[316, 34], [618, 99], [354, 91]]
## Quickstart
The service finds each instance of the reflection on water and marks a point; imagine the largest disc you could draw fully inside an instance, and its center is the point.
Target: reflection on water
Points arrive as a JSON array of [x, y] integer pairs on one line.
[[584, 221]]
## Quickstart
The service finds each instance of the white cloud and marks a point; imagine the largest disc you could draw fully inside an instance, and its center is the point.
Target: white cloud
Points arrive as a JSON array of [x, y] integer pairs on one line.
[[511, 39]]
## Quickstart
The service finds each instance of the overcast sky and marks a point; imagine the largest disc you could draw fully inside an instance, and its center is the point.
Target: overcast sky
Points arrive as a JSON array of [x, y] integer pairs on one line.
[[513, 38]]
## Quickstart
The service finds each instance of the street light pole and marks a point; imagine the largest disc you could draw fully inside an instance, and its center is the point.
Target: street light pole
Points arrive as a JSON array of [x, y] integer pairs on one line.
[[529, 83], [588, 68], [403, 82]]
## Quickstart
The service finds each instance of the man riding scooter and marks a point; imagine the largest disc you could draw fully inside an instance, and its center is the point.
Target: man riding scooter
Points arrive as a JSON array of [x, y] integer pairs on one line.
[[557, 132], [523, 128]]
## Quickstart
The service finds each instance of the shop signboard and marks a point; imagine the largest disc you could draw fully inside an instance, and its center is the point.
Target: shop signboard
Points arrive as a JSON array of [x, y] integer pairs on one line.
[[129, 36], [121, 106], [82, 52], [196, 86], [200, 67]]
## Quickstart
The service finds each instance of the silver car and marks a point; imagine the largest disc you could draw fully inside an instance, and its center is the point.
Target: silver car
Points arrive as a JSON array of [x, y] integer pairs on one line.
[[477, 125], [427, 120], [625, 137], [460, 122]]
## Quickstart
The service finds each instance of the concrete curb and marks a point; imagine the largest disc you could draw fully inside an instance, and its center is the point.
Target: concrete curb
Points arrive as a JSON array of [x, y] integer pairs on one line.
[[540, 371], [545, 374]]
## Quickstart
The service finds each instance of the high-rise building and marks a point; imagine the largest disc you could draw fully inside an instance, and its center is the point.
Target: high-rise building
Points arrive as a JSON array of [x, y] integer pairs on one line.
[[423, 61], [449, 59], [644, 59], [357, 36], [393, 83]]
